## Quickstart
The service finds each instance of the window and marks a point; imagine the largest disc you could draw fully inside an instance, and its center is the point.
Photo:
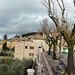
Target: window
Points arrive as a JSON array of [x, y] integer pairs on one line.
[[31, 47], [31, 54], [39, 47], [25, 47]]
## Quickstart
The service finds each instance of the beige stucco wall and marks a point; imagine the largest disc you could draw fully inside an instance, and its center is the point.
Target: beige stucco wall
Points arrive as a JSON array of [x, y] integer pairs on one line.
[[11, 44], [42, 44], [1, 45], [58, 49], [21, 52], [46, 47]]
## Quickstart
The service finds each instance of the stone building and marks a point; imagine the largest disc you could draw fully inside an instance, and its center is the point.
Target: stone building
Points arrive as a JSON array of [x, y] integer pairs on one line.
[[10, 42], [26, 49]]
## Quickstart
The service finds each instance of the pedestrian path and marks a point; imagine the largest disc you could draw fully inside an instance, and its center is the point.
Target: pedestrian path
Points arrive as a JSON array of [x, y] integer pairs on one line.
[[43, 68], [47, 65], [38, 70], [39, 66]]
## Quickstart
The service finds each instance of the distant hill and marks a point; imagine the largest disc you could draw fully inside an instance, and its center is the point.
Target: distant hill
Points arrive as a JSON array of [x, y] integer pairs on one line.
[[31, 33]]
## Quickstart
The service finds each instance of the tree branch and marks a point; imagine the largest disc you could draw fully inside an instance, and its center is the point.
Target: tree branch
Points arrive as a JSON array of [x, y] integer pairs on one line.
[[59, 5]]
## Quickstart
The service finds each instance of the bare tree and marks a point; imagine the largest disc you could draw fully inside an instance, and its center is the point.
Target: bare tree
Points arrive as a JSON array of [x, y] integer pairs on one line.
[[62, 26], [45, 30], [50, 38]]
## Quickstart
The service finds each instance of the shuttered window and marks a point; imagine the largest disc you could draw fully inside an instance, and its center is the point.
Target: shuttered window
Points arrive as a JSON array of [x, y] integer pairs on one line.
[[31, 54], [31, 47]]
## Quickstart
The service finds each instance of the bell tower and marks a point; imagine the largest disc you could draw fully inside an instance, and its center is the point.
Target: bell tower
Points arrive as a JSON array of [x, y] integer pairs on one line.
[[5, 37]]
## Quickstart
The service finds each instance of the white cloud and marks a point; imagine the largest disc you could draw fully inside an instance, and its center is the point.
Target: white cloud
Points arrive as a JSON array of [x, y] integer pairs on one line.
[[0, 37], [17, 16], [68, 1]]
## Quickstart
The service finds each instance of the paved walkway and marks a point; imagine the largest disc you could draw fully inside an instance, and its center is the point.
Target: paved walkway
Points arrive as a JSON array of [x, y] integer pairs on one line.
[[43, 68], [38, 70], [47, 65]]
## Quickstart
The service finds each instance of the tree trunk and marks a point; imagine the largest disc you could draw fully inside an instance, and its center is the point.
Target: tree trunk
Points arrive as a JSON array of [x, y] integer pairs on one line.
[[54, 51], [59, 49], [49, 51], [70, 67], [60, 44]]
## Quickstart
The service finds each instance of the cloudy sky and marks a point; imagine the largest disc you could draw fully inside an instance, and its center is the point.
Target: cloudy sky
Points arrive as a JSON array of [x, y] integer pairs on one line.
[[22, 16]]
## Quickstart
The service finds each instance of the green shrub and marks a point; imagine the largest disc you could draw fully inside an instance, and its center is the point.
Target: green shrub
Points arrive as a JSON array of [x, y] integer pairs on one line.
[[8, 53], [5, 46], [1, 53], [9, 66], [13, 49]]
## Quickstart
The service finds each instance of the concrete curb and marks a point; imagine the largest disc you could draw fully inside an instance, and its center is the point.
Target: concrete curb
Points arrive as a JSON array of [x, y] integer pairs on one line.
[[48, 66]]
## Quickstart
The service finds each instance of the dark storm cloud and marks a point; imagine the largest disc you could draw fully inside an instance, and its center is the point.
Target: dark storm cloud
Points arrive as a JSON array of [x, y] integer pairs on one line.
[[21, 16], [18, 16]]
